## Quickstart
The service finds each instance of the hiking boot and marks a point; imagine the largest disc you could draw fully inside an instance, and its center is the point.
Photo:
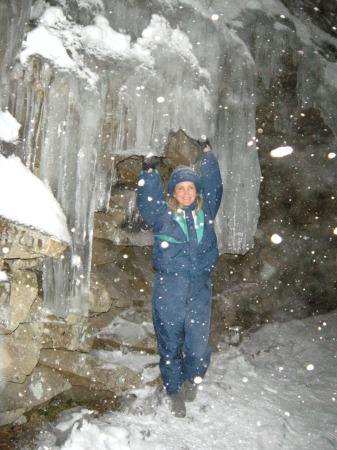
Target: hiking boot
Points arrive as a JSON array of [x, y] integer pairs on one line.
[[178, 408], [191, 390]]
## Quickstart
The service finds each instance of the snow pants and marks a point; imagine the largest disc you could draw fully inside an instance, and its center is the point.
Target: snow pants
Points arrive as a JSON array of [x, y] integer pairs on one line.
[[181, 307]]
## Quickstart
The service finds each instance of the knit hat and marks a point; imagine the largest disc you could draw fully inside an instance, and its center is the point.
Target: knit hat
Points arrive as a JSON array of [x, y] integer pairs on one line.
[[183, 173]]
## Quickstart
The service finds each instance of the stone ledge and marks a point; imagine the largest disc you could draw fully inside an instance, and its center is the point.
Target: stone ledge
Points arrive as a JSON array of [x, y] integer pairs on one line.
[[19, 241]]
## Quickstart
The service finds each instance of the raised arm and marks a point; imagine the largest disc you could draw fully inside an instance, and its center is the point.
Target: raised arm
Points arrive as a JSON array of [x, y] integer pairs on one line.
[[151, 200], [211, 180]]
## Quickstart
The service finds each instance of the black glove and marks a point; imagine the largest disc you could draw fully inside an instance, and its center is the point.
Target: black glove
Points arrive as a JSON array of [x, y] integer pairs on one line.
[[203, 143], [150, 162]]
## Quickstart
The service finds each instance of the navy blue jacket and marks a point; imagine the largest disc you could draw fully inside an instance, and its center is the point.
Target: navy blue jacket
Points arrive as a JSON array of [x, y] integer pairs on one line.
[[171, 249]]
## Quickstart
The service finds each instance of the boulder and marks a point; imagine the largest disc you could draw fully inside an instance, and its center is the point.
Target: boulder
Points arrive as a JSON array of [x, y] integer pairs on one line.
[[181, 149], [72, 333], [129, 169], [99, 298], [15, 309], [104, 251], [129, 279], [86, 370], [113, 226], [17, 398], [19, 353], [132, 329]]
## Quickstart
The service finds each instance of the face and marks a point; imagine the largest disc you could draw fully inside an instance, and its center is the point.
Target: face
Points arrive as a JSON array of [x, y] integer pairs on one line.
[[185, 192]]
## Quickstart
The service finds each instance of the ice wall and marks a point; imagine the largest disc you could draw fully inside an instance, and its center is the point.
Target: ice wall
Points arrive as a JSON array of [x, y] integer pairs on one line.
[[61, 141], [118, 87], [115, 81], [201, 79], [239, 212], [13, 21], [79, 112]]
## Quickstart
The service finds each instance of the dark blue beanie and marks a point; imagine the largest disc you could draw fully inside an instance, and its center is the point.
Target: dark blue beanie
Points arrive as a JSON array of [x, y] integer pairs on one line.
[[183, 173]]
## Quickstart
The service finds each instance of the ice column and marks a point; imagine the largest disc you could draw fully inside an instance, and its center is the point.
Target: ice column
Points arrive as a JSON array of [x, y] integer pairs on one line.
[[61, 137], [13, 17], [68, 162], [239, 212]]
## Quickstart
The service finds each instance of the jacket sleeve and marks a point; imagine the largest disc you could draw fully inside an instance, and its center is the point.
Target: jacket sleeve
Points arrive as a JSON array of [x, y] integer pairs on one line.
[[151, 200], [211, 182]]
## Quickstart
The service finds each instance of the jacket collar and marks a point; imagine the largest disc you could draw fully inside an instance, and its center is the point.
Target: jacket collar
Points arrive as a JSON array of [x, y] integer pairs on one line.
[[199, 223]]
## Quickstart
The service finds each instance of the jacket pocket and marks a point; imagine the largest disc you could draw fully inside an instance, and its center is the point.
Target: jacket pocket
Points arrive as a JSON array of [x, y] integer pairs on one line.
[[168, 257]]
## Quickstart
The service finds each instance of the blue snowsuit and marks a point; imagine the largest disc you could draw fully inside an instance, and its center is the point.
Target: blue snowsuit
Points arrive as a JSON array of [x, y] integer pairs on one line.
[[182, 294]]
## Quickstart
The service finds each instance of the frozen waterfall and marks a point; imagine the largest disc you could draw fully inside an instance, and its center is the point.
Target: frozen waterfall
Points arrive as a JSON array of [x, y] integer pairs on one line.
[[124, 99], [115, 85]]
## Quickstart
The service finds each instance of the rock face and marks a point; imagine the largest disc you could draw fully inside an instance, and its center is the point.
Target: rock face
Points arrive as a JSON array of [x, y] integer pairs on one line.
[[43, 355], [17, 398], [15, 309], [19, 359]]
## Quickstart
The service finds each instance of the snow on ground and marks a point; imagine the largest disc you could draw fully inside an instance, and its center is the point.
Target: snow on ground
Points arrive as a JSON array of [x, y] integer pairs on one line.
[[277, 390]]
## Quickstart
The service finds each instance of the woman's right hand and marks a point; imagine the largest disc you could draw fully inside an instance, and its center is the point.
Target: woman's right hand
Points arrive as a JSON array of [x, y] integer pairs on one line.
[[150, 162]]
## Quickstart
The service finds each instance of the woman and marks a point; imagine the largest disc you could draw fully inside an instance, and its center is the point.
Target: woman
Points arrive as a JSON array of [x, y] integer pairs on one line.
[[184, 254]]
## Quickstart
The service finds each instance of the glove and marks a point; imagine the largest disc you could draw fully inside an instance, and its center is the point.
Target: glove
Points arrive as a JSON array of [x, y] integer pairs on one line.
[[150, 162], [203, 143]]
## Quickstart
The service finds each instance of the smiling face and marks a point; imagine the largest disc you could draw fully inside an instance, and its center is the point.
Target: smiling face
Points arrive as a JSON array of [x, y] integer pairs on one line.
[[185, 193]]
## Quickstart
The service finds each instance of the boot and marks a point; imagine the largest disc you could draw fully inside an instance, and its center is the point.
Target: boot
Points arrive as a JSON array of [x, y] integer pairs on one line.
[[191, 390], [178, 408]]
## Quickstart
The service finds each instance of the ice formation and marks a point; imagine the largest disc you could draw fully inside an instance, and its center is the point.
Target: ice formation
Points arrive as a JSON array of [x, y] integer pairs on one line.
[[104, 83]]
